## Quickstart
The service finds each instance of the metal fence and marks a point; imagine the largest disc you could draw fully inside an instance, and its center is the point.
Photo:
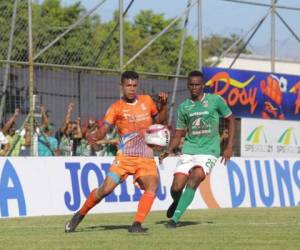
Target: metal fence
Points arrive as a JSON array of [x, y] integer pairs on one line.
[[62, 74], [75, 63], [92, 91]]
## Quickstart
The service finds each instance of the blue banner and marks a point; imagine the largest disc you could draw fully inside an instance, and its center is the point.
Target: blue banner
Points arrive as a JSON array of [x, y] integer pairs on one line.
[[256, 94]]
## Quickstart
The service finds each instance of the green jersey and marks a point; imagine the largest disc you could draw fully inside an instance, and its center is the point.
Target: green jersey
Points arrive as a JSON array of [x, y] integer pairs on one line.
[[201, 121]]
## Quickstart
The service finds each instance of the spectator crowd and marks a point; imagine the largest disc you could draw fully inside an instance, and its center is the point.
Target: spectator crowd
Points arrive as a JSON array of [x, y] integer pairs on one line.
[[73, 138]]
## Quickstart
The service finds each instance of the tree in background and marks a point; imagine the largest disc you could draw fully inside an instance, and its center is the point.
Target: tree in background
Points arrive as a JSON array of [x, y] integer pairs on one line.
[[21, 30], [81, 46], [215, 45]]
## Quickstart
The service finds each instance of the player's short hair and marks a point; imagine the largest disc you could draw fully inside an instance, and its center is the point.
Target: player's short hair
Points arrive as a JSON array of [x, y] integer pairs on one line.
[[195, 73], [129, 75]]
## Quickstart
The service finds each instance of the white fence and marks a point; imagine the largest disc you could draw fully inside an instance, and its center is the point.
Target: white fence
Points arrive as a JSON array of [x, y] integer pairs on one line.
[[31, 186]]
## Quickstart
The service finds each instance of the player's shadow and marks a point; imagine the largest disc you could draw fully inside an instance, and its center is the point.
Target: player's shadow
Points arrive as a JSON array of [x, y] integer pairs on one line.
[[185, 223], [107, 227]]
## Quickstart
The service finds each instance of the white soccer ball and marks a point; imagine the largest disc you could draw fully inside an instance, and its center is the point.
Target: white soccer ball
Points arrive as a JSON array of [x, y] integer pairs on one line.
[[158, 135]]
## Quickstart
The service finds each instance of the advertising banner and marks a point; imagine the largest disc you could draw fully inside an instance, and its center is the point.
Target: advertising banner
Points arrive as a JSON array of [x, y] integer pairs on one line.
[[35, 186], [270, 138], [256, 94]]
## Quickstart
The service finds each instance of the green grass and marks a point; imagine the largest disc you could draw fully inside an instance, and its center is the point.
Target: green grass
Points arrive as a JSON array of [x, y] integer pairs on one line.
[[259, 228]]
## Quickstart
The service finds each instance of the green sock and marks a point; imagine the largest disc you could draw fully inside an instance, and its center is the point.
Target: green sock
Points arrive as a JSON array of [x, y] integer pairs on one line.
[[185, 200]]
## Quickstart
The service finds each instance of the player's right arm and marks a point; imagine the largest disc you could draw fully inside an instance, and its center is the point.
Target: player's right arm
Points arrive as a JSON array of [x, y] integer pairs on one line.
[[175, 142], [109, 120], [94, 136], [181, 127]]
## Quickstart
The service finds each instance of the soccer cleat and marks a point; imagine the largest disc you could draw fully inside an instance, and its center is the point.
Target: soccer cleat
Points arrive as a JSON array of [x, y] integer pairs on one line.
[[136, 227], [171, 224], [171, 209], [74, 222]]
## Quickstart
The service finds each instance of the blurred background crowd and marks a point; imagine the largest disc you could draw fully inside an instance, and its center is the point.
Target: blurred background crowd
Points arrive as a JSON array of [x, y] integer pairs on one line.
[[73, 138]]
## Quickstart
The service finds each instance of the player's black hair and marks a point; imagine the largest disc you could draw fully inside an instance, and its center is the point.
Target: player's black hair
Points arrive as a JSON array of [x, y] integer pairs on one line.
[[195, 73], [129, 75]]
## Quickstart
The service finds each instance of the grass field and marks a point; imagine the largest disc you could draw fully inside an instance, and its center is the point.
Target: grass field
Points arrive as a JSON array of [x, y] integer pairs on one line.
[[259, 228]]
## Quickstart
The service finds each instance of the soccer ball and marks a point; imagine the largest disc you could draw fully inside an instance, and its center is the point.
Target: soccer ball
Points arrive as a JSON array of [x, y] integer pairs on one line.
[[158, 135]]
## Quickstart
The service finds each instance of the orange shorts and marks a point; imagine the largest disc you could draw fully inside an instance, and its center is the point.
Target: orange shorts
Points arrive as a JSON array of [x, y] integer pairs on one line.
[[130, 165]]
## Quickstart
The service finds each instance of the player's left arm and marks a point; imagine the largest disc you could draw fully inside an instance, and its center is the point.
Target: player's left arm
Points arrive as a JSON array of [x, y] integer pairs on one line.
[[228, 151], [225, 111], [161, 117]]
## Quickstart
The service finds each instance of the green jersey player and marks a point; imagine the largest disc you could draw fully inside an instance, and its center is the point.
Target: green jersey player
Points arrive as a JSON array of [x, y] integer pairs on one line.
[[198, 122]]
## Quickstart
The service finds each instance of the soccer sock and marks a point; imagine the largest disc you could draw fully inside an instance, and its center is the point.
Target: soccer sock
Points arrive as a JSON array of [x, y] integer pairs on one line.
[[90, 202], [144, 206], [185, 200], [176, 195]]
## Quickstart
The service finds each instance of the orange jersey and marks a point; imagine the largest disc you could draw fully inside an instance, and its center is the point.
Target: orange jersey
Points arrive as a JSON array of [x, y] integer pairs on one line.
[[131, 120]]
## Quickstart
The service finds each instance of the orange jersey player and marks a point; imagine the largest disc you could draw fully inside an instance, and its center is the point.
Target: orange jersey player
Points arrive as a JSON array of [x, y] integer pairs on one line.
[[132, 115], [131, 120]]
